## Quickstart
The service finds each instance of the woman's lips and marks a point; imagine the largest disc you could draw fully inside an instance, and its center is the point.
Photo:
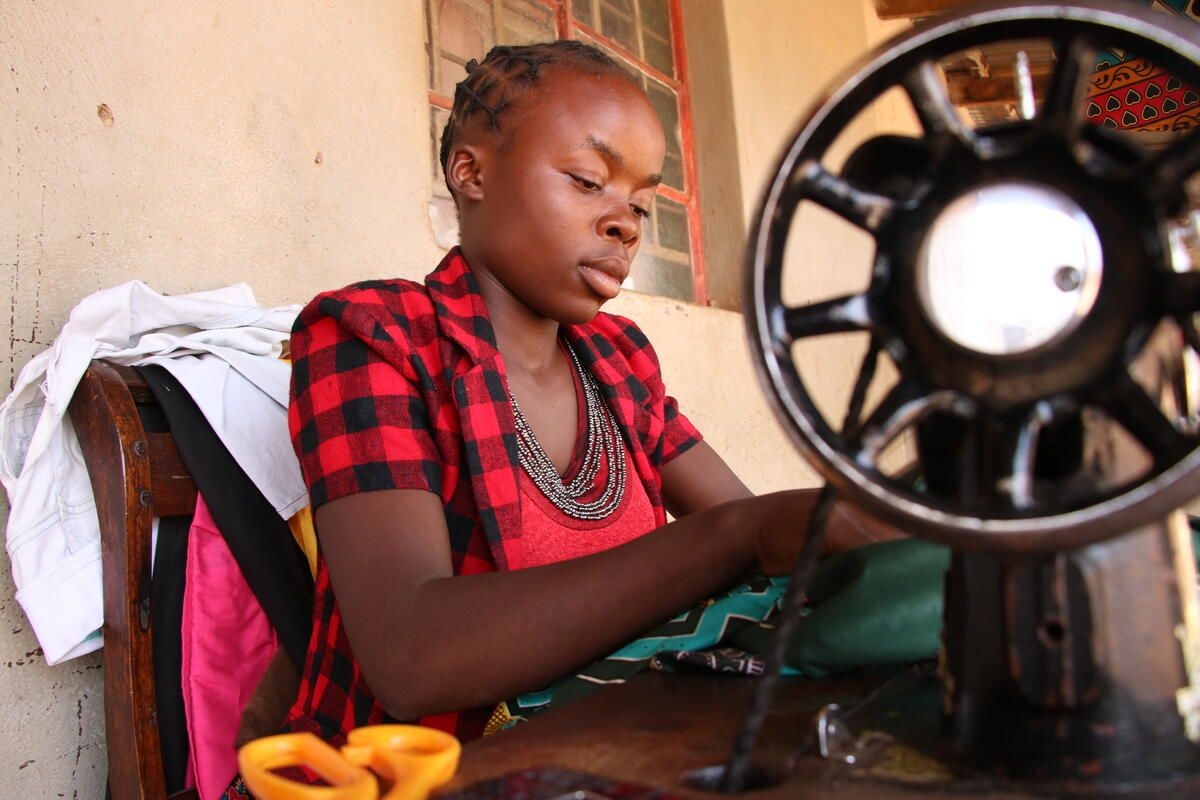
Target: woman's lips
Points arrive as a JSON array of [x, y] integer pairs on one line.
[[601, 281]]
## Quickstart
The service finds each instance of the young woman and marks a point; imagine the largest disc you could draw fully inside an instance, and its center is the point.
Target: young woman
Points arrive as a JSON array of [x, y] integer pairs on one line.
[[490, 457]]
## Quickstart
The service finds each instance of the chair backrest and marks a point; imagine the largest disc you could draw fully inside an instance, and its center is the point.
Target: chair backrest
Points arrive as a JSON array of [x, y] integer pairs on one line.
[[135, 477]]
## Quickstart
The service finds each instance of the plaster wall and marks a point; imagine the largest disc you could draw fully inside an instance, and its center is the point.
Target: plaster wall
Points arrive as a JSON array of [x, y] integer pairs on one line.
[[284, 143], [785, 58]]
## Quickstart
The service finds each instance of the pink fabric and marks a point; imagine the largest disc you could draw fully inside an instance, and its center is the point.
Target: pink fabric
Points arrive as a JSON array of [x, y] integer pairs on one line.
[[227, 644]]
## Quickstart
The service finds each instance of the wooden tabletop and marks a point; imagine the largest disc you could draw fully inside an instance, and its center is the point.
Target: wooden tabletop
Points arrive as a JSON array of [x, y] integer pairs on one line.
[[660, 726]]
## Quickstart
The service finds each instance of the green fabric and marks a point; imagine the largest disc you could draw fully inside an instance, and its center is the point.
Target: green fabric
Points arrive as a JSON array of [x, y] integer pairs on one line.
[[873, 605]]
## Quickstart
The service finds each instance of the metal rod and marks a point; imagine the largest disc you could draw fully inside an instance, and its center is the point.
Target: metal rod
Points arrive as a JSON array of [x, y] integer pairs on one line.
[[734, 776]]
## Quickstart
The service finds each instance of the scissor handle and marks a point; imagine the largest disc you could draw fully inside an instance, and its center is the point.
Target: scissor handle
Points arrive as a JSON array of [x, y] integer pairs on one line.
[[414, 759], [258, 759]]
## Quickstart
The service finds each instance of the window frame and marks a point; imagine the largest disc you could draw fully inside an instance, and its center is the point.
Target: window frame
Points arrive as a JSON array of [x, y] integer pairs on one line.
[[566, 27]]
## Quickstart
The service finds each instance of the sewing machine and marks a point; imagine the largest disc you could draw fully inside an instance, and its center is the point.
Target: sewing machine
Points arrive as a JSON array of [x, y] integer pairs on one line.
[[1026, 396]]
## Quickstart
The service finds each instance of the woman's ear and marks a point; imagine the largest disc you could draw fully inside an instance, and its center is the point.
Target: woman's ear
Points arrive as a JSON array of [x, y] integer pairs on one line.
[[463, 172]]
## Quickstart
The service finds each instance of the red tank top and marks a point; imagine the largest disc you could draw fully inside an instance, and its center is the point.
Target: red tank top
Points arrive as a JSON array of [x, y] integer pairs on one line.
[[548, 535]]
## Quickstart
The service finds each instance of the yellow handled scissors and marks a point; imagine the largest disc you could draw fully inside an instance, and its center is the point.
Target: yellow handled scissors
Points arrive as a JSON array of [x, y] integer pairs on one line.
[[412, 759]]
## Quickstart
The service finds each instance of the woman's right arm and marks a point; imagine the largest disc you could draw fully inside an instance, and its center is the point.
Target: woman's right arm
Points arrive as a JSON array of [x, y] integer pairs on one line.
[[430, 642]]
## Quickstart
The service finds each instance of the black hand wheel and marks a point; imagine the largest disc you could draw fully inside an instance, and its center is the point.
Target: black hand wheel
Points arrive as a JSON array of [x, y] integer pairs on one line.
[[1121, 195]]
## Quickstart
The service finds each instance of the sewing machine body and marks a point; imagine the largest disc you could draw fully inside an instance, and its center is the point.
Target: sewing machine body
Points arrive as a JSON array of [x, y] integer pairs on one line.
[[1023, 277]]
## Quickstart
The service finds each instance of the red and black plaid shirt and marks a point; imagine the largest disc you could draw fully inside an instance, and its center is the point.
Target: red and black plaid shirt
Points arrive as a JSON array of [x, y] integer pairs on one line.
[[398, 385]]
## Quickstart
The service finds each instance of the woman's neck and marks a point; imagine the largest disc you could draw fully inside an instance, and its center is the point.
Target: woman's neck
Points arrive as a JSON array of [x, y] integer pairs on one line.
[[528, 341]]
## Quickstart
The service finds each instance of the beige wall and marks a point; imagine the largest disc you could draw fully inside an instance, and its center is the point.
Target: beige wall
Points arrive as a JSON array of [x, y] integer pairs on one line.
[[284, 143]]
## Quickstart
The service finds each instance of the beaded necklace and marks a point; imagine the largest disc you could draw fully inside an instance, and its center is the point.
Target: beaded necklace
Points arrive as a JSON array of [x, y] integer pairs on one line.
[[603, 444]]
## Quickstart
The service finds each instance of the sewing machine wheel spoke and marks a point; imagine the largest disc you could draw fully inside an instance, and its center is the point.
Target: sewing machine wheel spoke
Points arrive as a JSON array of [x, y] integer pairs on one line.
[[933, 108], [840, 315], [866, 374], [863, 209], [1022, 444], [1062, 111], [905, 404], [1137, 413]]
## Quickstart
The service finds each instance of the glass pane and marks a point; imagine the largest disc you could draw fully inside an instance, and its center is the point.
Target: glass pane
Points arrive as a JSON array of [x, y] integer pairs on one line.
[[617, 23], [658, 275], [672, 225], [582, 10], [464, 32], [659, 55], [600, 44], [656, 35], [667, 106], [525, 22], [655, 18]]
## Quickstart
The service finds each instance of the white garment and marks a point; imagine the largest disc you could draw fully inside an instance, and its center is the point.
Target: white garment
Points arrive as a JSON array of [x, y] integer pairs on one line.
[[245, 400], [221, 345]]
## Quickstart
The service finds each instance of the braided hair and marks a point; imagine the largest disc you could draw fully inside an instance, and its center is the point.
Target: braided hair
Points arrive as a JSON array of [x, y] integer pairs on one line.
[[506, 71]]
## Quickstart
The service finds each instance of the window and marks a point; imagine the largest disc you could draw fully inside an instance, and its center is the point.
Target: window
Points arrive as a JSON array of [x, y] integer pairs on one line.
[[644, 35]]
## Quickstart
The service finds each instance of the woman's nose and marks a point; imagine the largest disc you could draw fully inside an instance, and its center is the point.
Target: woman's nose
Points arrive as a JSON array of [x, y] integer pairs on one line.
[[624, 226]]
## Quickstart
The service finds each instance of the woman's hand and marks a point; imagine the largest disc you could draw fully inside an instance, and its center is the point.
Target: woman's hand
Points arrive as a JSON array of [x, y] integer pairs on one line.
[[782, 522], [850, 526], [785, 520]]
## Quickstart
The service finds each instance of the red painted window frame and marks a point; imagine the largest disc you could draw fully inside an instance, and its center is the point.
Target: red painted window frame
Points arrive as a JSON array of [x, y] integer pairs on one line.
[[565, 27]]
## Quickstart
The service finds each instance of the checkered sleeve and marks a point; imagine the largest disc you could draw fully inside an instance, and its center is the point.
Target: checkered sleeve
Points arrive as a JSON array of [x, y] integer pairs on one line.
[[358, 422], [679, 434]]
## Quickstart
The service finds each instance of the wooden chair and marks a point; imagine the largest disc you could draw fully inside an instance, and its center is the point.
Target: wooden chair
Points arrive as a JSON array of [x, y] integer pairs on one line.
[[135, 476]]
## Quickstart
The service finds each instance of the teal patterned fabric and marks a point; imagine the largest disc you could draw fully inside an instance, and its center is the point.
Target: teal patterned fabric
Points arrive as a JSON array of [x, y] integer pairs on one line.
[[700, 629]]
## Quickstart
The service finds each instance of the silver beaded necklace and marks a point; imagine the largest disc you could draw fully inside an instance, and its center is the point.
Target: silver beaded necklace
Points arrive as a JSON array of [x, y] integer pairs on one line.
[[603, 443]]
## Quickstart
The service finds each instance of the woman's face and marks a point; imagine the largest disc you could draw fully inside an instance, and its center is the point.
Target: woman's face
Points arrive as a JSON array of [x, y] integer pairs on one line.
[[563, 192]]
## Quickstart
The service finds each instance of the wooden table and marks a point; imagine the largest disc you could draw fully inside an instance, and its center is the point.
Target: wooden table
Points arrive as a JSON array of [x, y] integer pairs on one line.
[[658, 727]]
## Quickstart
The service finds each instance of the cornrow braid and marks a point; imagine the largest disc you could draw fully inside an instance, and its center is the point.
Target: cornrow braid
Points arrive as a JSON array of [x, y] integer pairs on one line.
[[507, 71]]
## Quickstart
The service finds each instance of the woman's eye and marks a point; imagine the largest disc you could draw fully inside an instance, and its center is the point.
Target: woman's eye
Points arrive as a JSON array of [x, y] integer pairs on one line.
[[641, 212], [591, 186]]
